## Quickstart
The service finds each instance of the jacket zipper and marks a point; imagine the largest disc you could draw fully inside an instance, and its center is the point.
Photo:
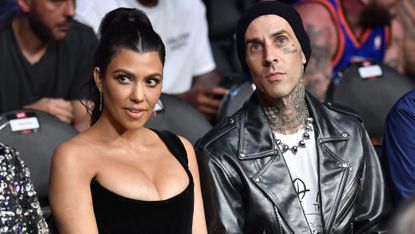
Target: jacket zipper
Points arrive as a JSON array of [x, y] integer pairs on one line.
[[278, 220], [352, 193]]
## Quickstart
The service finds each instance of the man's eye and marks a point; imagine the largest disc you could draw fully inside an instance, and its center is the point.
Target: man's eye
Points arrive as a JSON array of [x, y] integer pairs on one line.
[[281, 40], [255, 47]]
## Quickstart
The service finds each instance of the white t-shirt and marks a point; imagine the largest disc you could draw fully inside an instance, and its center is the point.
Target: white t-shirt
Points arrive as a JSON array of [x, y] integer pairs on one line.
[[303, 171], [182, 26]]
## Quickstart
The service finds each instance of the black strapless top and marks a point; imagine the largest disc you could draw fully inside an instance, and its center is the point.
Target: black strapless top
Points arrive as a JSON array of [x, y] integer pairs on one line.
[[118, 214]]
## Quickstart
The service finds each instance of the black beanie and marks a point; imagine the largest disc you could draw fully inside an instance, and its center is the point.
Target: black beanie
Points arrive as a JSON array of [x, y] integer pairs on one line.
[[271, 8]]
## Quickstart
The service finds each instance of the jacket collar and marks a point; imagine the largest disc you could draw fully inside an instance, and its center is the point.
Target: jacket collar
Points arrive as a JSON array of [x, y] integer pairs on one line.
[[255, 128]]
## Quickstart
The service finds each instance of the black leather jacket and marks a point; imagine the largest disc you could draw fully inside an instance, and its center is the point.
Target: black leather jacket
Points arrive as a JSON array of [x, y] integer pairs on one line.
[[247, 187]]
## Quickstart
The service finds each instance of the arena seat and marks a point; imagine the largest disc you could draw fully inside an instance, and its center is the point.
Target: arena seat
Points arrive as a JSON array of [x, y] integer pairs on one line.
[[35, 135], [370, 89], [180, 118], [235, 98]]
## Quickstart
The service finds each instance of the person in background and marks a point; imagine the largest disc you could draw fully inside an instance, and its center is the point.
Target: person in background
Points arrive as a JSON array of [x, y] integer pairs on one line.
[[190, 69], [45, 59], [117, 176], [343, 32], [399, 147], [20, 210], [285, 163]]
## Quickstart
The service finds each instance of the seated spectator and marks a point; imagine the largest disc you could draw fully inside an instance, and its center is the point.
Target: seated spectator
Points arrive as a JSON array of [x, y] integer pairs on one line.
[[45, 58], [347, 31], [117, 176], [19, 207], [399, 146], [189, 72]]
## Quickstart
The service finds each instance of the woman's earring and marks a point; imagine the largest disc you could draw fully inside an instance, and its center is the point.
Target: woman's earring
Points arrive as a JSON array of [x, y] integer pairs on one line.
[[100, 102]]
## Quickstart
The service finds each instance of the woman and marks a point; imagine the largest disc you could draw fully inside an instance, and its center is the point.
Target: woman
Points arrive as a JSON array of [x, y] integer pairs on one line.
[[117, 176]]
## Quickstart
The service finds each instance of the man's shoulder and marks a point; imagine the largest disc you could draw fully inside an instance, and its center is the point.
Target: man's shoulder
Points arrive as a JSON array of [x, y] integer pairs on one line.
[[405, 104], [222, 132], [80, 36], [79, 28], [342, 111]]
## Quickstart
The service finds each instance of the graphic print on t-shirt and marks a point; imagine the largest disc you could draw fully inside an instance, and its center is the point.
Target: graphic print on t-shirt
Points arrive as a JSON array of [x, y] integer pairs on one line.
[[303, 170]]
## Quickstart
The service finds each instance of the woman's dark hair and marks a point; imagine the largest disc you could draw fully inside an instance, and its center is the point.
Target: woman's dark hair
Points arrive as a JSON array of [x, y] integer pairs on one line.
[[123, 28]]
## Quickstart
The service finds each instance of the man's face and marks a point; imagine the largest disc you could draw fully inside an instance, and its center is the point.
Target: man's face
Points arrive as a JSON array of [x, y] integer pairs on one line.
[[274, 56], [51, 18]]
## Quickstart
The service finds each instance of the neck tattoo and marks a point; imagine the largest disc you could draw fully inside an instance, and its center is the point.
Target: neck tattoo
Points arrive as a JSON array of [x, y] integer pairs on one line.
[[271, 116]]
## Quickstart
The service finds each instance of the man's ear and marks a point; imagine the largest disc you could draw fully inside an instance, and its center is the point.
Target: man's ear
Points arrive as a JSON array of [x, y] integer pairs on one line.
[[25, 5], [97, 78], [303, 59]]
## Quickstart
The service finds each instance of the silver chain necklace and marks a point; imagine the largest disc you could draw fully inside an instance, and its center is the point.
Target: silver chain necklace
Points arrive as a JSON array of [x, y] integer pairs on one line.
[[301, 144]]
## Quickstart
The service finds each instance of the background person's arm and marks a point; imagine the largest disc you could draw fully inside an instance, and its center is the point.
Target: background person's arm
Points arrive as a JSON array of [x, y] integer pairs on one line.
[[323, 38], [395, 56], [82, 119], [58, 107], [406, 15], [205, 95]]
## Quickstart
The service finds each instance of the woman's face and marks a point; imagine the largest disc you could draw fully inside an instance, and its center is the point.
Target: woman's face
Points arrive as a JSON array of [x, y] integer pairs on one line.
[[131, 87]]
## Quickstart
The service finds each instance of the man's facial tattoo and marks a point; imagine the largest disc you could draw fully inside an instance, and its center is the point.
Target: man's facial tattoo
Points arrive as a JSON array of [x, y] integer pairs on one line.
[[291, 50]]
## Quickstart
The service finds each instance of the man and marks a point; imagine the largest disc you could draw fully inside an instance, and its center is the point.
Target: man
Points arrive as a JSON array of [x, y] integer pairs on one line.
[[189, 71], [343, 32], [45, 59], [285, 163], [399, 147]]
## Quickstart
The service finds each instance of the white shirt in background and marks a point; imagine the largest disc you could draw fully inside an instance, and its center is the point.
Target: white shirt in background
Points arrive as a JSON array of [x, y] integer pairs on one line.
[[182, 26]]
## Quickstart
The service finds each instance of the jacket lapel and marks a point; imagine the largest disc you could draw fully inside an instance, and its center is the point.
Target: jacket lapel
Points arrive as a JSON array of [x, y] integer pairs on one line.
[[255, 128], [275, 181]]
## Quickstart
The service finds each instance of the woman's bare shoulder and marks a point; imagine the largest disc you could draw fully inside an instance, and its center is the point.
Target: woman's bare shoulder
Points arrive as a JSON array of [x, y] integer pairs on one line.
[[76, 152]]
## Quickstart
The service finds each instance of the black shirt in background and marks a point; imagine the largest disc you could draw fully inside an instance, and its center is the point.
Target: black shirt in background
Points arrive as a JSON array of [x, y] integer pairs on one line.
[[62, 72]]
